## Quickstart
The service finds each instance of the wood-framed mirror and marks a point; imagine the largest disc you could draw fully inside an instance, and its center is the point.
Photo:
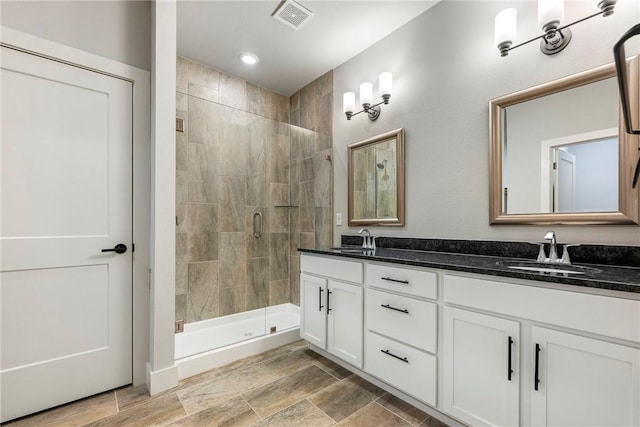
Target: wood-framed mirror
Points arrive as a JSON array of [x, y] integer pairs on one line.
[[376, 180], [559, 154]]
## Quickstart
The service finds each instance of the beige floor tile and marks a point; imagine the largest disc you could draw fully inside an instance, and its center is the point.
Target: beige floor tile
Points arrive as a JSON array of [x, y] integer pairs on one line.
[[130, 396], [433, 422], [330, 367], [251, 360], [291, 362], [208, 392], [344, 398], [274, 397], [374, 415], [401, 408], [155, 412], [72, 414], [233, 412], [302, 414], [296, 345]]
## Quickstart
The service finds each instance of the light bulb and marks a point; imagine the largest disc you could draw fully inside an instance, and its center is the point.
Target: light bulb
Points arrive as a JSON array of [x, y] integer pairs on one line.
[[505, 27], [366, 93], [385, 82], [550, 14], [348, 102]]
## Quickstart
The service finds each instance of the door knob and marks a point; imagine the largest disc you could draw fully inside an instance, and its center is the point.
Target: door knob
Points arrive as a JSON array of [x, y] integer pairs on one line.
[[120, 248]]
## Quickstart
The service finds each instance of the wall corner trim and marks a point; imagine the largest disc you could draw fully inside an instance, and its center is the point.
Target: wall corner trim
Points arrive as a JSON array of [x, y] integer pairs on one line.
[[161, 380]]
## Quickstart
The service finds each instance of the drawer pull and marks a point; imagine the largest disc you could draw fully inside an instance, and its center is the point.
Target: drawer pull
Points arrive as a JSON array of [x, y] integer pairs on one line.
[[389, 279], [536, 379], [509, 370], [396, 309], [388, 353]]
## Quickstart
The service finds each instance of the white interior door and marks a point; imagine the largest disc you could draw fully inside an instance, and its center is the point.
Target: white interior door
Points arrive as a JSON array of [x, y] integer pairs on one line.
[[565, 182], [66, 194]]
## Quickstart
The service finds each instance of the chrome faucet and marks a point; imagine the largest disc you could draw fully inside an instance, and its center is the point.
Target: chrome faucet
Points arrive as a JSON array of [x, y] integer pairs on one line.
[[368, 241], [553, 250]]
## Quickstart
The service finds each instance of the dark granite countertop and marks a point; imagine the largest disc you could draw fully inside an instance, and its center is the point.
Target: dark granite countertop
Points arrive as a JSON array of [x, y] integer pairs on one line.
[[618, 278]]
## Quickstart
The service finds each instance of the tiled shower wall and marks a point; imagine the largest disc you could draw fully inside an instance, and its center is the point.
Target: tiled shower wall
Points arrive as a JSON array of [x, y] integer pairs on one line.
[[239, 156], [311, 171]]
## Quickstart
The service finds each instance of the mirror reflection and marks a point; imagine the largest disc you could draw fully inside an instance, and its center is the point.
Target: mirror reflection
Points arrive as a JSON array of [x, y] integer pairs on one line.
[[558, 154], [376, 180]]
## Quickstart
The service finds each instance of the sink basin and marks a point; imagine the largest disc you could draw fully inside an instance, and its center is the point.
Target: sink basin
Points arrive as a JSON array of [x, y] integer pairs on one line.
[[539, 267]]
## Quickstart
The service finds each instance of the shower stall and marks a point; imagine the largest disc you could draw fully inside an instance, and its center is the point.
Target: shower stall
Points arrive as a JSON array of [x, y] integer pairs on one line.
[[250, 188]]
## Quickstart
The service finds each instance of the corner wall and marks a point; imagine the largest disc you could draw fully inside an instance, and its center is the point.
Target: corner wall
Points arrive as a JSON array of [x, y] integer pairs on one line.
[[117, 30], [446, 70]]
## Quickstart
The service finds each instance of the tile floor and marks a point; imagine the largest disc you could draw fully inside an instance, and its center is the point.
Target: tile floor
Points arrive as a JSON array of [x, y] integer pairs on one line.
[[287, 386]]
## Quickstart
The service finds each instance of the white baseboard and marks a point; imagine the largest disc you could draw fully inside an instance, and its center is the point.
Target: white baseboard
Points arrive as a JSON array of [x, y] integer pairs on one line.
[[162, 380]]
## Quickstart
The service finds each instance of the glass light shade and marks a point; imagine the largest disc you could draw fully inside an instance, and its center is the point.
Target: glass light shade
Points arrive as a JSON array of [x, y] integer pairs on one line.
[[348, 102], [550, 11], [505, 26], [385, 80], [366, 93]]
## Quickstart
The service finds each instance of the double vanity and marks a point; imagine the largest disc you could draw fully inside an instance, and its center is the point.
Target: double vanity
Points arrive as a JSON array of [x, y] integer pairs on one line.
[[481, 339]]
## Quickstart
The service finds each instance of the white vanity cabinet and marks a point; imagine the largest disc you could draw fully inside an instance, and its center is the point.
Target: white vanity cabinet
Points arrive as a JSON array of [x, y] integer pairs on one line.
[[583, 381], [332, 309], [401, 328], [579, 364], [483, 350], [481, 368]]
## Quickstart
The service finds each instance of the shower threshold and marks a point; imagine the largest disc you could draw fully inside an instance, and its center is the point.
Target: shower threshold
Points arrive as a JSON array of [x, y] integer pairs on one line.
[[211, 334]]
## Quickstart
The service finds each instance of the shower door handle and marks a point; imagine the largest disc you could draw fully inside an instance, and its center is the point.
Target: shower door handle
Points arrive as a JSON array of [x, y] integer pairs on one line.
[[257, 225]]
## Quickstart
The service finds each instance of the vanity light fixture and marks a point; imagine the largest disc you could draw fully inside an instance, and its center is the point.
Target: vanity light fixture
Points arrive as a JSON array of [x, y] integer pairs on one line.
[[385, 87], [550, 16]]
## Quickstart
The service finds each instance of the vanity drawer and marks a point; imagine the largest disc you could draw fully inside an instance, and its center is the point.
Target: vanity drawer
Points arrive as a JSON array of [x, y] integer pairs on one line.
[[408, 369], [410, 281], [604, 315], [330, 267], [405, 319]]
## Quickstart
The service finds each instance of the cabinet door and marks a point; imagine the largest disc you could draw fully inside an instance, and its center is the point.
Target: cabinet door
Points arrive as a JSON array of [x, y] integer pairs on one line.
[[313, 294], [344, 322], [583, 381], [481, 368]]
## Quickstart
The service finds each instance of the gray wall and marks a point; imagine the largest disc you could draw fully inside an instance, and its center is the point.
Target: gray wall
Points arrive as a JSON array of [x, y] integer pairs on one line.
[[119, 30], [446, 70]]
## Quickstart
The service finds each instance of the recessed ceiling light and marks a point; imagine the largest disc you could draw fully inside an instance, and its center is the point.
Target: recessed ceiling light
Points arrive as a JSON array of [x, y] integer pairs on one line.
[[249, 58]]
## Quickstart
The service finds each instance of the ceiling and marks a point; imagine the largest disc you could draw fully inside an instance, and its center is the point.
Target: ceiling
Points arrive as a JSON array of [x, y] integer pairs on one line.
[[216, 32]]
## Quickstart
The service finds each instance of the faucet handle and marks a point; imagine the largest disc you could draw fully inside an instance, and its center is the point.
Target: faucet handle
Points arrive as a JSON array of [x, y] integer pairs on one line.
[[542, 257], [565, 253]]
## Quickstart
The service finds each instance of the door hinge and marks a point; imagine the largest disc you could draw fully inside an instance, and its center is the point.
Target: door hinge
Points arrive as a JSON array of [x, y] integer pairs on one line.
[[179, 326], [555, 166], [179, 125], [133, 247]]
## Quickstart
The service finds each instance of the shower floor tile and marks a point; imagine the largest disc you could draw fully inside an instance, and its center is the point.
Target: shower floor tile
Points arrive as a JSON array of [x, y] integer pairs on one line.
[[287, 386]]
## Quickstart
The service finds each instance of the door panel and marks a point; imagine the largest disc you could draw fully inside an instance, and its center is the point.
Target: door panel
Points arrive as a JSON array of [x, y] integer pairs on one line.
[[313, 321], [66, 193], [344, 322], [584, 382], [477, 388]]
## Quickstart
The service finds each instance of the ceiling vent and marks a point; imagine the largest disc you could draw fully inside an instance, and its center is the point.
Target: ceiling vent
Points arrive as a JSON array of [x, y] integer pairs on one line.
[[292, 14]]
